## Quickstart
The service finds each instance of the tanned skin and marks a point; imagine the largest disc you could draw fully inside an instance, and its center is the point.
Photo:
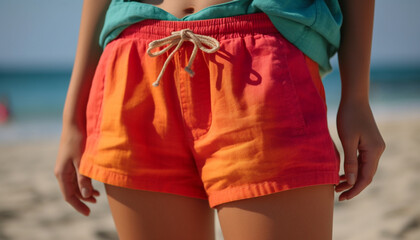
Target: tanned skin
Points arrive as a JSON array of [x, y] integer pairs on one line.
[[362, 142]]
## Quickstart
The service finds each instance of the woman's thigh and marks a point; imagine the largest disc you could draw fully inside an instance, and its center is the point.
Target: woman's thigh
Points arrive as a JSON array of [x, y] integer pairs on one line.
[[303, 213], [152, 215]]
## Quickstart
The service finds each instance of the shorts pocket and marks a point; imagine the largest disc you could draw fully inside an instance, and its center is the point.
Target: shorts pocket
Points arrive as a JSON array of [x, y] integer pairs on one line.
[[94, 106], [282, 109], [96, 95]]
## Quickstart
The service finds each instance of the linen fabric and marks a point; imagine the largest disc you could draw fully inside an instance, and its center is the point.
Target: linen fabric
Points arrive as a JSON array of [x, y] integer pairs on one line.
[[251, 122]]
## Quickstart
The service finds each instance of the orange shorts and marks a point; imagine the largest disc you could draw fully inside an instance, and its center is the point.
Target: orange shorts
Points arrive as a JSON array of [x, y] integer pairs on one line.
[[250, 122]]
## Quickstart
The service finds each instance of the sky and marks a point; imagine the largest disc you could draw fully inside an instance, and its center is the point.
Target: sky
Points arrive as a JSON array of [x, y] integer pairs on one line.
[[43, 33]]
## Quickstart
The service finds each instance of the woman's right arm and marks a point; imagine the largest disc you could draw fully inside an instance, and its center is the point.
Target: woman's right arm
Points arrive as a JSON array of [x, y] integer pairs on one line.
[[74, 186]]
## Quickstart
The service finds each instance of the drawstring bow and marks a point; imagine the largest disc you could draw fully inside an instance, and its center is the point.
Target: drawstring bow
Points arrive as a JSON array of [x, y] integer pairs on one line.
[[177, 38]]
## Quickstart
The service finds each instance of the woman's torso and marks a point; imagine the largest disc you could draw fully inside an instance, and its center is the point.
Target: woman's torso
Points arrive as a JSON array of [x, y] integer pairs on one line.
[[182, 8], [313, 26]]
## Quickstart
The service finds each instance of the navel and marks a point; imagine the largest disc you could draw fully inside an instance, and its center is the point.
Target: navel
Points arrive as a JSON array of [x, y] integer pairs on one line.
[[189, 10]]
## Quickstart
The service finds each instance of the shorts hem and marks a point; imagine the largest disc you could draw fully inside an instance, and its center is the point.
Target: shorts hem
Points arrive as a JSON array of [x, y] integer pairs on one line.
[[253, 190], [107, 176]]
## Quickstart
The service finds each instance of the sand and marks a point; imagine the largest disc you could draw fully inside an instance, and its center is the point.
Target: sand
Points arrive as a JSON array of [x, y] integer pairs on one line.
[[31, 206]]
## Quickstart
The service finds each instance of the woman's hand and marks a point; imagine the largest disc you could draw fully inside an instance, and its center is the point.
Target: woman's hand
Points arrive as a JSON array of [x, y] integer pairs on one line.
[[363, 145], [75, 188]]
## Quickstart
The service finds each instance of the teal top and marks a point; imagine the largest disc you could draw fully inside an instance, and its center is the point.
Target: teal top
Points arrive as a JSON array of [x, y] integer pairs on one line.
[[313, 26]]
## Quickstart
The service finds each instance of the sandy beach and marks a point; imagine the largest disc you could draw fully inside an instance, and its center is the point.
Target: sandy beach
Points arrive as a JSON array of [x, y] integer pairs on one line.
[[32, 208]]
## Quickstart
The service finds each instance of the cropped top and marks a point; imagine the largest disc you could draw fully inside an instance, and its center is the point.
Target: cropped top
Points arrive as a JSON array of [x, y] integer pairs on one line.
[[313, 26]]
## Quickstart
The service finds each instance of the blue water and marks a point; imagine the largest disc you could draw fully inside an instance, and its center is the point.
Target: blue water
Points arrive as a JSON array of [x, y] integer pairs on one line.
[[34, 94], [36, 98], [388, 86]]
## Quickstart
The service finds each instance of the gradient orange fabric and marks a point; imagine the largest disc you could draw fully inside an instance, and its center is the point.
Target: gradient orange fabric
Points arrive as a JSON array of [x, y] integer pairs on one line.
[[251, 122]]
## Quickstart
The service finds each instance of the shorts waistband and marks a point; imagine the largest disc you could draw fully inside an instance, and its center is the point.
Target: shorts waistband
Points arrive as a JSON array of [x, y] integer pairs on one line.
[[236, 26]]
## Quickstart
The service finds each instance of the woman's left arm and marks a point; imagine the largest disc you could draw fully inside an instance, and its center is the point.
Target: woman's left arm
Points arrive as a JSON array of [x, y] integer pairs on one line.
[[362, 142]]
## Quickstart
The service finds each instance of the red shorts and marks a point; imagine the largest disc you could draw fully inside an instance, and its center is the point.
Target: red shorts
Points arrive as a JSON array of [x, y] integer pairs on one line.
[[250, 122]]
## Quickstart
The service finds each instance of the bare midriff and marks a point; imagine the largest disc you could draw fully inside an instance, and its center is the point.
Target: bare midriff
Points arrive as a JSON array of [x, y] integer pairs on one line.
[[182, 8]]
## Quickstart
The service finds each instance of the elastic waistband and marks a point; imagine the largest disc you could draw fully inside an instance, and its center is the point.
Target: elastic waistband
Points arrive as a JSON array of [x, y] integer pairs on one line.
[[236, 26]]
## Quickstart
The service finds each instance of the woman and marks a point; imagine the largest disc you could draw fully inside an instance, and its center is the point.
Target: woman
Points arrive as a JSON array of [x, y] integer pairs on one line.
[[243, 128]]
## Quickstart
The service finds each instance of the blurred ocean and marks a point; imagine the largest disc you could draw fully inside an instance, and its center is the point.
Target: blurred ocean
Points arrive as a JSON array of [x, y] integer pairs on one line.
[[394, 92], [36, 98]]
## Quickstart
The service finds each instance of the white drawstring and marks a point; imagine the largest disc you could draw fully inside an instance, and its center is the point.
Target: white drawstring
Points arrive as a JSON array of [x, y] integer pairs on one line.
[[177, 38]]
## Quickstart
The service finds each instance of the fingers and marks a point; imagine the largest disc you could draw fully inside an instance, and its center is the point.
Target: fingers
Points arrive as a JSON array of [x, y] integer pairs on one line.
[[358, 134], [86, 190], [85, 186], [350, 161], [365, 178], [367, 165], [77, 204], [71, 193], [71, 182], [343, 184]]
